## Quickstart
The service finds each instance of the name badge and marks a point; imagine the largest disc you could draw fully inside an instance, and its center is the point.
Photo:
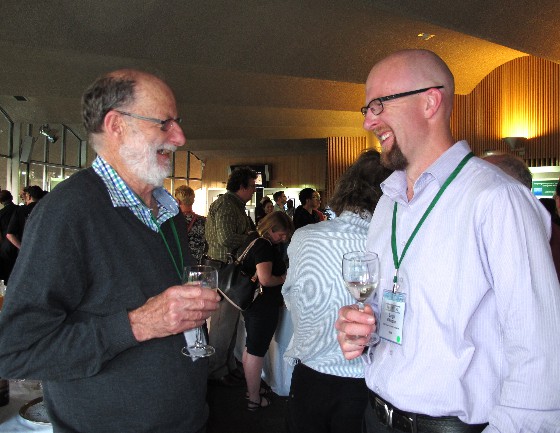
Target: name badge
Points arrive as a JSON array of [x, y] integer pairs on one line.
[[392, 316]]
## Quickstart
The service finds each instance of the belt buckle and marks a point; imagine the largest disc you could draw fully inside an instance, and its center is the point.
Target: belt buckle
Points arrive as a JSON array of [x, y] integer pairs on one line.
[[400, 422], [388, 421]]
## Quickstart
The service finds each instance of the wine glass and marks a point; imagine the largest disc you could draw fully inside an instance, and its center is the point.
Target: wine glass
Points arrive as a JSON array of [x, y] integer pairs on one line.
[[206, 277], [360, 271]]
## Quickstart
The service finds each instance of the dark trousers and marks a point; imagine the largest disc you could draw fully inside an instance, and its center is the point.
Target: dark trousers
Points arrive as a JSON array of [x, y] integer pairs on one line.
[[322, 403], [223, 337]]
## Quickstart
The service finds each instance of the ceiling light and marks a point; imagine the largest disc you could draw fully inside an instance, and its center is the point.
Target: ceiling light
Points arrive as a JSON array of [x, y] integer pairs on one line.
[[51, 134], [516, 143], [425, 36]]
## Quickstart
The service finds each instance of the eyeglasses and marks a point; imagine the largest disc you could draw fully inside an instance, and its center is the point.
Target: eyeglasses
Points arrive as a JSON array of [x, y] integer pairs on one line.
[[165, 124], [376, 105]]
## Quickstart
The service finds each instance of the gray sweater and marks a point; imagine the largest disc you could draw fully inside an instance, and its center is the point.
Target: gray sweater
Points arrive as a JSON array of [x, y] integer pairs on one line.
[[83, 265]]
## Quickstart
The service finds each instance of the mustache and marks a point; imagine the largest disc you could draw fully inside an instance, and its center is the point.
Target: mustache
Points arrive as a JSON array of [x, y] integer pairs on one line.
[[166, 147]]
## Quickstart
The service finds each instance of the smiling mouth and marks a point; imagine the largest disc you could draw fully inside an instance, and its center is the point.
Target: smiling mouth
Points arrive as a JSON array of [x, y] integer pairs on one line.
[[384, 137], [164, 152]]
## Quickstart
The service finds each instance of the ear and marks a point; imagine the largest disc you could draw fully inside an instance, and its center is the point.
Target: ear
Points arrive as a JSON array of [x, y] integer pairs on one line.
[[113, 124], [434, 99]]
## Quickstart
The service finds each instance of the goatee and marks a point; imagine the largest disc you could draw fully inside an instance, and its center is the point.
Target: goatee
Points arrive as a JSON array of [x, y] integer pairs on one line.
[[394, 159]]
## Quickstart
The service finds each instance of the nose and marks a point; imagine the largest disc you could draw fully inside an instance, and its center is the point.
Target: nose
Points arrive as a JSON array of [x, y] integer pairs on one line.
[[176, 135], [370, 121]]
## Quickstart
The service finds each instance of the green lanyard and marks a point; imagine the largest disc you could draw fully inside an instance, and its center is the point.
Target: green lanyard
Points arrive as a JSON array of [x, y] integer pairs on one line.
[[176, 236], [397, 262]]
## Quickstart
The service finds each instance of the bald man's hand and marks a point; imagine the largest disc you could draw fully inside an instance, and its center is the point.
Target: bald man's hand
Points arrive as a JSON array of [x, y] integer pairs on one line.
[[354, 328]]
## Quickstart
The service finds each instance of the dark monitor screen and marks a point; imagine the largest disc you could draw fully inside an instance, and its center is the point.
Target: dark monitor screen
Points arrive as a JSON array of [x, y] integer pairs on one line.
[[262, 170]]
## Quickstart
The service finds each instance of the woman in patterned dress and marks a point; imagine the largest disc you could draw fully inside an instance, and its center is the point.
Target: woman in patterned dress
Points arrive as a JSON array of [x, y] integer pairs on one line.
[[195, 223]]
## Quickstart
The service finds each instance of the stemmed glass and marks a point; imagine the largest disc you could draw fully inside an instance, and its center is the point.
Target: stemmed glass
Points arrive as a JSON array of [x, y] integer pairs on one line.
[[206, 277], [360, 271]]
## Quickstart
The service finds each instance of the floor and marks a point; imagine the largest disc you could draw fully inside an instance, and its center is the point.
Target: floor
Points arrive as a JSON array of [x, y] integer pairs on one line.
[[229, 414]]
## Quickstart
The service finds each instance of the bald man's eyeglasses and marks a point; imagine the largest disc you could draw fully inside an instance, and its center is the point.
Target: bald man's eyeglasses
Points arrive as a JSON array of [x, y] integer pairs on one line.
[[165, 124], [376, 105]]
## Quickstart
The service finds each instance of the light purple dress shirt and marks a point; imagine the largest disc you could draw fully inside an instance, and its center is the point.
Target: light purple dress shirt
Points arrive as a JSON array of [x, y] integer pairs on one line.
[[481, 337]]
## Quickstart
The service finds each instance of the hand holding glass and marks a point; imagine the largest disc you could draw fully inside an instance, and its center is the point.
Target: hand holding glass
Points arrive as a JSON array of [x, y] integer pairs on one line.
[[360, 271], [206, 277]]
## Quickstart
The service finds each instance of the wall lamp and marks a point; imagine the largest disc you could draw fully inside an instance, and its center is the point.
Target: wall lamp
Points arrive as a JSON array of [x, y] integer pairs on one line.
[[51, 134], [516, 143]]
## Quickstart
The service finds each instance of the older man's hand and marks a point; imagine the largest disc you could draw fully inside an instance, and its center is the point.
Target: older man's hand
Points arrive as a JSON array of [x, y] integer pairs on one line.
[[354, 328], [175, 310]]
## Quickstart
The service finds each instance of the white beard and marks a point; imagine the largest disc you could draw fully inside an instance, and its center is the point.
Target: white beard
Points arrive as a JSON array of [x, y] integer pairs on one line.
[[141, 159]]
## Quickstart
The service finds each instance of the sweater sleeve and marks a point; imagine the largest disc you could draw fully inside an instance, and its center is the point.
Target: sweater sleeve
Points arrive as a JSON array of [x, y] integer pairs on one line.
[[45, 331]]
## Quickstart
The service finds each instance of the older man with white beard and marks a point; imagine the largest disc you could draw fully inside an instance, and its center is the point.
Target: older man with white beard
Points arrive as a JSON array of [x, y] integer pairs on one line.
[[96, 309]]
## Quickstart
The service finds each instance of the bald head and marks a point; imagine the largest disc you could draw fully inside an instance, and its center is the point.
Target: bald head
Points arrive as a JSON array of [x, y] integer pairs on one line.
[[514, 166], [408, 70]]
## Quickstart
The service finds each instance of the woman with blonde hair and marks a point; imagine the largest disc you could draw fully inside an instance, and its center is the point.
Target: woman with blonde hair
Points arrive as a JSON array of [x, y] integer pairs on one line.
[[266, 261], [195, 223]]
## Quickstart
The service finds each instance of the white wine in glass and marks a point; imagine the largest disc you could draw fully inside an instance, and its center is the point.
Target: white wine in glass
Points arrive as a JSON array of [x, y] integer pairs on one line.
[[360, 272], [206, 277]]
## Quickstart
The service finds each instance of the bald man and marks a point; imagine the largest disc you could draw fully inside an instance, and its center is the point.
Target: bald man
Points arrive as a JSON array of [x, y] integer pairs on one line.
[[468, 305], [96, 309]]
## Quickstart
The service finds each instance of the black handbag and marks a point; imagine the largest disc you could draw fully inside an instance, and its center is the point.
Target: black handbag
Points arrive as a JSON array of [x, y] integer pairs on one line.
[[238, 288]]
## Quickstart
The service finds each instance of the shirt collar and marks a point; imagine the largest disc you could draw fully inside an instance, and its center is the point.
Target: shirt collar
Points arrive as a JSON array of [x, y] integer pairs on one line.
[[395, 185], [122, 196]]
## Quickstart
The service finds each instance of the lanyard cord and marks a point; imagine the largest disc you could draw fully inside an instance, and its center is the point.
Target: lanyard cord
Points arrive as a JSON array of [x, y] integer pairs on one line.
[[175, 235], [397, 262]]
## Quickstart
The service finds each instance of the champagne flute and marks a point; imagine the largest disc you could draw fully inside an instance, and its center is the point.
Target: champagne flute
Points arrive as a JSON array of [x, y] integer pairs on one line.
[[205, 277], [360, 271]]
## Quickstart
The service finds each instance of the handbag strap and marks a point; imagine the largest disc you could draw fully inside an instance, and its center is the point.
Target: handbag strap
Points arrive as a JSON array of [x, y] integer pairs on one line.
[[239, 260], [244, 253], [191, 223]]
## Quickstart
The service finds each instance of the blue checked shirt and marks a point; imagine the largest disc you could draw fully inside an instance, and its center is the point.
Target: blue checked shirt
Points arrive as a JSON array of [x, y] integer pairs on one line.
[[122, 196]]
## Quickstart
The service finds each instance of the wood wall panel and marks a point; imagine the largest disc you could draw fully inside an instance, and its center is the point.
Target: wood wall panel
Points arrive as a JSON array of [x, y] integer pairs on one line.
[[342, 152], [520, 98]]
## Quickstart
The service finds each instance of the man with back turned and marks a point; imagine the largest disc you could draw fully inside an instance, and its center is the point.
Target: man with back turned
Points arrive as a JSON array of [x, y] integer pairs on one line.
[[96, 309], [468, 305], [227, 228]]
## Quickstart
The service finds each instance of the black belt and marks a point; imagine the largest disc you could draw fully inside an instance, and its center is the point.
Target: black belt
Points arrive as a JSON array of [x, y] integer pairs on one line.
[[391, 417]]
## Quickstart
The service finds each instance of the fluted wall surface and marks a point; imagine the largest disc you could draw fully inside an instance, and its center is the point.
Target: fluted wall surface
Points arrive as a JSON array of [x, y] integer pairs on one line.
[[519, 99], [341, 153]]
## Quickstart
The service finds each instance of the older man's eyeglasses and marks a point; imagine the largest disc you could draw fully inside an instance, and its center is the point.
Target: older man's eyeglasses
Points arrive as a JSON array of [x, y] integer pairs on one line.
[[376, 105], [165, 124]]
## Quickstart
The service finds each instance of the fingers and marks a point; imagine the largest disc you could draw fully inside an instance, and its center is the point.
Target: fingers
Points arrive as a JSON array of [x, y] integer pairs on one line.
[[173, 311], [354, 328], [194, 291]]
